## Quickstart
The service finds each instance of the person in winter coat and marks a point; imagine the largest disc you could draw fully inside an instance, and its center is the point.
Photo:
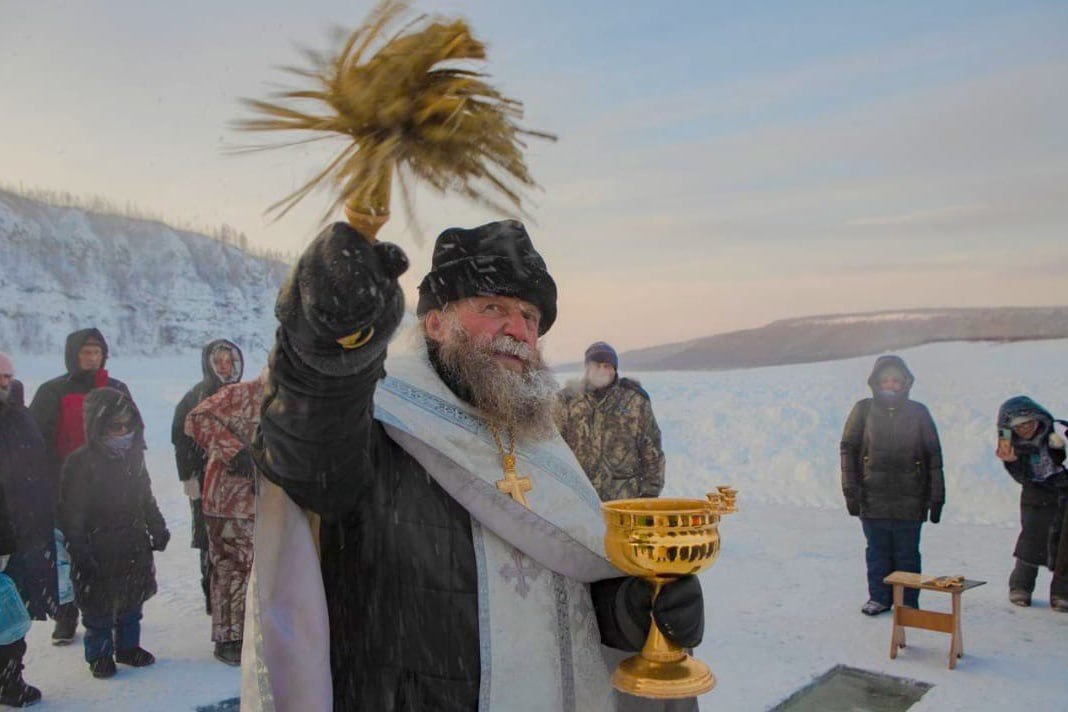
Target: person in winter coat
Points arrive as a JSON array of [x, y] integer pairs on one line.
[[462, 563], [224, 426], [222, 363], [14, 691], [27, 544], [57, 408], [891, 477], [608, 423], [1033, 453], [112, 526]]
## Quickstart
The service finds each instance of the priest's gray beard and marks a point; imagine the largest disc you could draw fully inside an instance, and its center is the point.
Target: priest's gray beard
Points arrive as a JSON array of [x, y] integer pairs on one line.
[[519, 403]]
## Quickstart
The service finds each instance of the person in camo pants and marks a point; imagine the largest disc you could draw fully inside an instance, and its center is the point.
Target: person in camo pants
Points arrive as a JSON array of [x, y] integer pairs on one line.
[[224, 425]]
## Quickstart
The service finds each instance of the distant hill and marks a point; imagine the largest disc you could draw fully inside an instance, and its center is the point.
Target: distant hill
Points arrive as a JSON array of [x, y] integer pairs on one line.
[[149, 287], [832, 337]]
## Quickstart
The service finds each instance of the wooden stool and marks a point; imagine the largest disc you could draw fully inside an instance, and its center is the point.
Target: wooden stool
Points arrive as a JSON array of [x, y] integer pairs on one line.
[[907, 617]]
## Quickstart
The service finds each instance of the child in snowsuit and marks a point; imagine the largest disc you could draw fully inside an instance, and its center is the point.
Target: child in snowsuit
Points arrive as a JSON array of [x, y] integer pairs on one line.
[[1033, 454], [112, 525]]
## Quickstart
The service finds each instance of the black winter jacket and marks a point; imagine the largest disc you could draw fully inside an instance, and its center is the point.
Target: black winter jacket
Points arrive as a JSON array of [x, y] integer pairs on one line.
[[1033, 493], [396, 550], [891, 455], [108, 515], [31, 483]]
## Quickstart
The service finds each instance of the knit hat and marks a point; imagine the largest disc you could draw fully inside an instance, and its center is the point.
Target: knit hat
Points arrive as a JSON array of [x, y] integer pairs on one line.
[[496, 259], [6, 365], [600, 352]]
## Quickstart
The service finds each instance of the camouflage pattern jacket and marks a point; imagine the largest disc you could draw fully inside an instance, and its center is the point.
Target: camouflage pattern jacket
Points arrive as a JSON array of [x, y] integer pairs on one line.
[[615, 437], [223, 425]]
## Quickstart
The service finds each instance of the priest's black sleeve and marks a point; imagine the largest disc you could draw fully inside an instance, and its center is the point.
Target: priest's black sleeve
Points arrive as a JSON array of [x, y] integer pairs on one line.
[[337, 311]]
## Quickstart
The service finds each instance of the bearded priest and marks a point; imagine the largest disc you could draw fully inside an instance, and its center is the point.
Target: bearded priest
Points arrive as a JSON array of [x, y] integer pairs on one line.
[[425, 540]]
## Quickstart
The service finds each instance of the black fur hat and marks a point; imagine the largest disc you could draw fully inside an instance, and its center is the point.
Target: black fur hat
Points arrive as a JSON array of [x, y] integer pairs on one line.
[[496, 259]]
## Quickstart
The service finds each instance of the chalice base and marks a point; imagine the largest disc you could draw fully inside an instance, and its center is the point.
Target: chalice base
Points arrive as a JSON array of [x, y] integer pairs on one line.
[[687, 677]]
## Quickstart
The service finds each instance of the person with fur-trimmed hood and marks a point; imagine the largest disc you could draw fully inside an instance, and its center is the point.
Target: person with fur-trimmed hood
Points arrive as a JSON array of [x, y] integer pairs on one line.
[[608, 423], [1031, 446], [891, 477], [112, 525], [460, 546], [224, 426], [57, 408], [221, 363]]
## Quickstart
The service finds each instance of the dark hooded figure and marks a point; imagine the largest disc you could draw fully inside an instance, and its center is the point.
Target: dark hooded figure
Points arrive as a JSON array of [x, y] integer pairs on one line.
[[1033, 454], [112, 526], [222, 363], [28, 486], [891, 477], [57, 408]]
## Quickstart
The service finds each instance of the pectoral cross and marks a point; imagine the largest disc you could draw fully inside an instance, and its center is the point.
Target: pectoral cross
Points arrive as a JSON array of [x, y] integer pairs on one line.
[[513, 485]]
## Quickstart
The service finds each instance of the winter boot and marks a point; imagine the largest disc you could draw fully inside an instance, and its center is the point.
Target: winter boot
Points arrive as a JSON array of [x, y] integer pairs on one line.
[[66, 624], [103, 667], [229, 652], [1059, 604], [1019, 597], [874, 608], [14, 692], [17, 693], [135, 657]]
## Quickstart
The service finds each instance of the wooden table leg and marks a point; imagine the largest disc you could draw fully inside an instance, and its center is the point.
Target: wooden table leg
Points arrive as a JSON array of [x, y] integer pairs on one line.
[[956, 649], [897, 635]]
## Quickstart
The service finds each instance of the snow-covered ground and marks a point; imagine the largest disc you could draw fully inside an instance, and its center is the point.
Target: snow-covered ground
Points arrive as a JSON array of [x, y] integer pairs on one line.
[[782, 601]]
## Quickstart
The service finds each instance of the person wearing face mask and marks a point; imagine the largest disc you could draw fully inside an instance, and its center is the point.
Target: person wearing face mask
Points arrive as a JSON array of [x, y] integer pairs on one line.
[[112, 525], [57, 408], [1031, 446], [221, 364], [608, 423], [891, 477]]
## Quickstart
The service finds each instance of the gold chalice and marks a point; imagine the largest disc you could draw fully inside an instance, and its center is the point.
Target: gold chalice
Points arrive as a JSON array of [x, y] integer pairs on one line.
[[660, 540]]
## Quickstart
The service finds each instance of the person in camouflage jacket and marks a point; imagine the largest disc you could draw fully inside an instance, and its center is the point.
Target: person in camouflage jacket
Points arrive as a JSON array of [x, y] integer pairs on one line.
[[224, 425], [608, 422]]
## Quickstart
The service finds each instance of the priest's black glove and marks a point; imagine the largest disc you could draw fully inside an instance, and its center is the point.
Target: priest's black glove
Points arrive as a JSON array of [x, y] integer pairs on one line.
[[936, 512], [342, 302], [679, 610], [241, 464]]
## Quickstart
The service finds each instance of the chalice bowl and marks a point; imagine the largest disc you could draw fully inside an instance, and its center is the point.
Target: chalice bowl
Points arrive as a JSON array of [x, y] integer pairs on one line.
[[660, 540]]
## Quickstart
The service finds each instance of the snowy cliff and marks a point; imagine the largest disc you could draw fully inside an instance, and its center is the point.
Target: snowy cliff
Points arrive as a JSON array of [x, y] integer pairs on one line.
[[147, 286]]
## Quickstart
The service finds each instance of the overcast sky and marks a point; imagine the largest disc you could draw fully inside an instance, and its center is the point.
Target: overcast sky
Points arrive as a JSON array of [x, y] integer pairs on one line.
[[720, 165]]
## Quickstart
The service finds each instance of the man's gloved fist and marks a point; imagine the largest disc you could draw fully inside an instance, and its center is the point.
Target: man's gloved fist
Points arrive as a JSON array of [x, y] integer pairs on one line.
[[853, 507], [341, 285], [679, 610], [160, 539], [936, 512], [241, 464]]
